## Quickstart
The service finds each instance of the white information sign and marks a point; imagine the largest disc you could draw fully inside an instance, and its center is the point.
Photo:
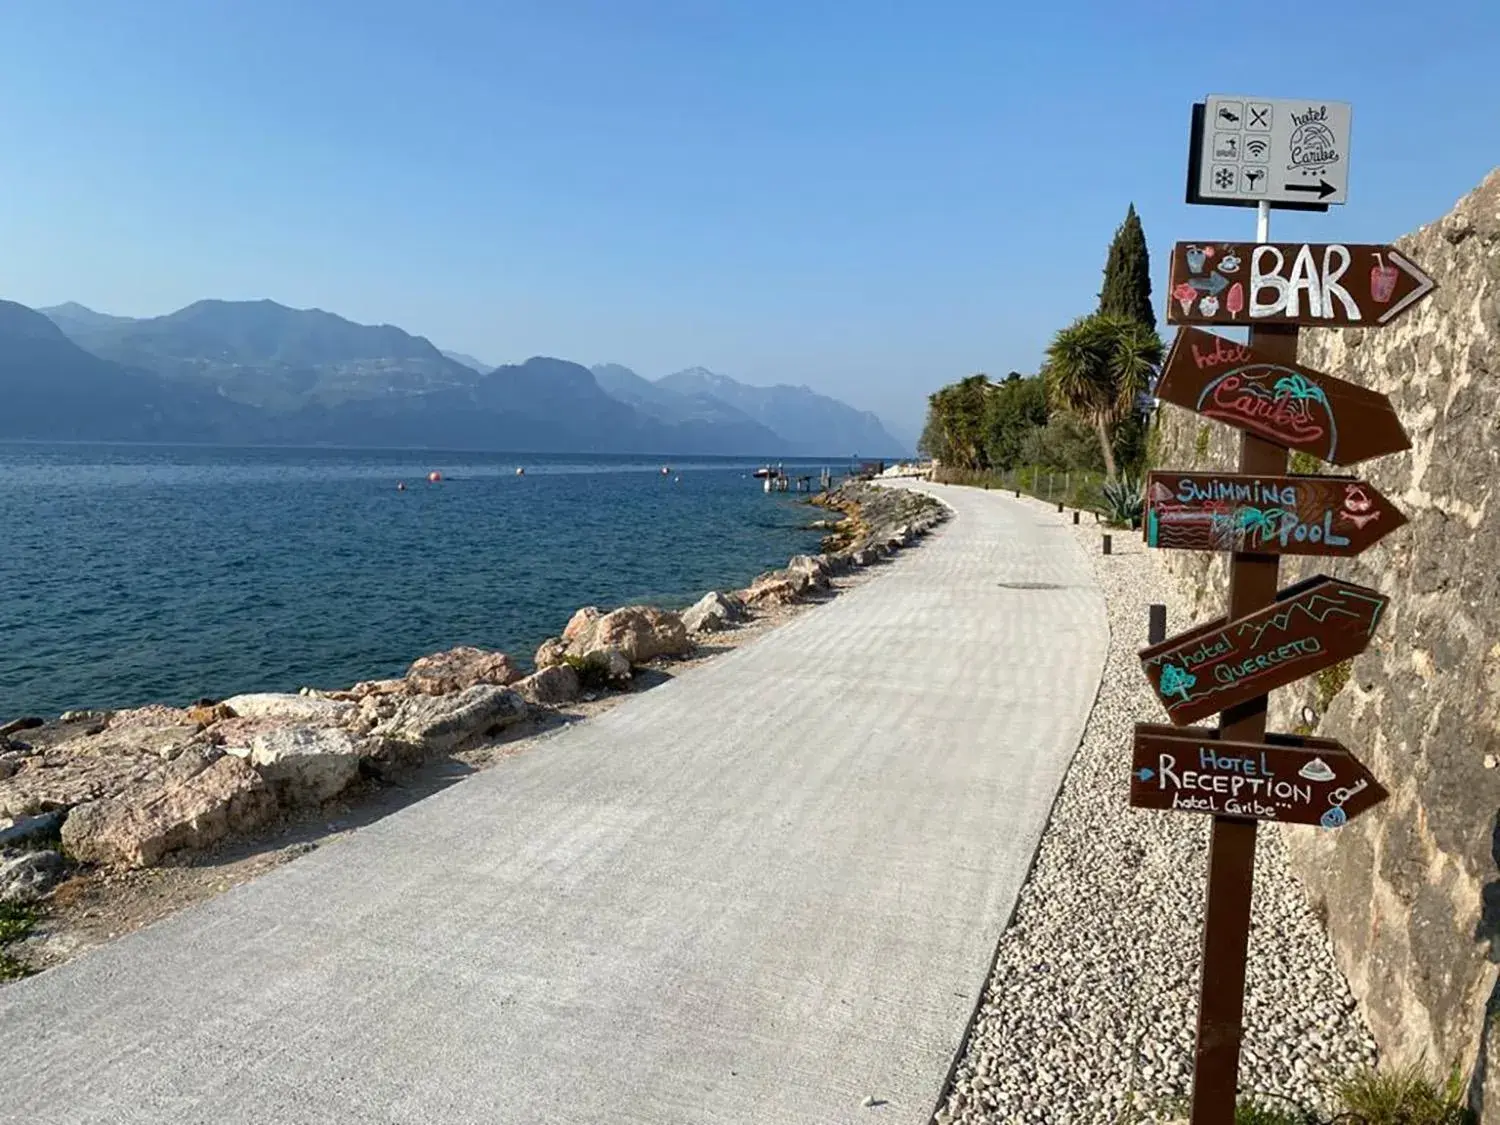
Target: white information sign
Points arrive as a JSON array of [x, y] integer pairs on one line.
[[1280, 150]]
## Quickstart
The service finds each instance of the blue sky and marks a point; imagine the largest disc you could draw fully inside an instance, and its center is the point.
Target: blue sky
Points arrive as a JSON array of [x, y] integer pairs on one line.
[[870, 198]]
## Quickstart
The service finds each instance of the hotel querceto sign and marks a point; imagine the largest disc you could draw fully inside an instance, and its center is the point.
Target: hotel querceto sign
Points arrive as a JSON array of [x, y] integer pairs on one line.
[[1285, 403], [1331, 285], [1301, 515], [1310, 626]]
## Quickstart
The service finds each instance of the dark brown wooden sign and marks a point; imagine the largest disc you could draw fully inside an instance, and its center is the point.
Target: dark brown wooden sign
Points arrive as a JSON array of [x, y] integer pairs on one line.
[[1322, 286], [1285, 778], [1283, 402], [1309, 626], [1310, 515]]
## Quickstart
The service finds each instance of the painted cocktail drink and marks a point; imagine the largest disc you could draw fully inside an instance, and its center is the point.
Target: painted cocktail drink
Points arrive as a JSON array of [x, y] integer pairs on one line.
[[1382, 280], [1195, 257]]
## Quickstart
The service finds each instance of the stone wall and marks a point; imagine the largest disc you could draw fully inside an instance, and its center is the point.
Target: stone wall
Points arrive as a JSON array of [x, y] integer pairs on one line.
[[1411, 891]]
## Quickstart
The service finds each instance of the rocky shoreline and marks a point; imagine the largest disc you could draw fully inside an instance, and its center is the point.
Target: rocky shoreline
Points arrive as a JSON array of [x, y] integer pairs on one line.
[[94, 800]]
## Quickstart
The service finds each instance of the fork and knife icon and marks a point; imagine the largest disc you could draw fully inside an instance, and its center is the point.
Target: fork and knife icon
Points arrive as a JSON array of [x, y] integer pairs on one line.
[[1260, 116]]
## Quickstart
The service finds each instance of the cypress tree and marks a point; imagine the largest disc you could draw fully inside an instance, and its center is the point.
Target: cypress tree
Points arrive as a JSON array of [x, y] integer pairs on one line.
[[1127, 274]]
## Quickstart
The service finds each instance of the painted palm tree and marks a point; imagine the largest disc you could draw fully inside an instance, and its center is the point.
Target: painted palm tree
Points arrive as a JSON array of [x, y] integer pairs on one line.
[[1262, 523], [1097, 368], [1300, 388]]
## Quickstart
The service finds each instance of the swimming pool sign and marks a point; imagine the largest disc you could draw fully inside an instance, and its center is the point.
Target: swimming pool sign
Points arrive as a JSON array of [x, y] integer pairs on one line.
[[1283, 151]]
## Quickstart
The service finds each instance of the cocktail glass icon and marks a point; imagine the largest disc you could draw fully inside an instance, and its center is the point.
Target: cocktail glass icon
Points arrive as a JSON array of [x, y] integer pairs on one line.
[[1382, 280]]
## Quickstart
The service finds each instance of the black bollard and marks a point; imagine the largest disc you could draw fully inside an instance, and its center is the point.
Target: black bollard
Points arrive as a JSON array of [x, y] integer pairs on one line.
[[1059, 507], [1106, 544], [1156, 628], [1075, 519]]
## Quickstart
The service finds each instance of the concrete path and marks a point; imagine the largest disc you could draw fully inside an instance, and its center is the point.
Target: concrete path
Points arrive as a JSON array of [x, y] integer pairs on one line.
[[758, 893]]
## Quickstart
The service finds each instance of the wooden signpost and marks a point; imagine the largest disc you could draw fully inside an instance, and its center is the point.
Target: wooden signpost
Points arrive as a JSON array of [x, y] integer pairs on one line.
[[1278, 399], [1237, 773], [1299, 515], [1284, 778]]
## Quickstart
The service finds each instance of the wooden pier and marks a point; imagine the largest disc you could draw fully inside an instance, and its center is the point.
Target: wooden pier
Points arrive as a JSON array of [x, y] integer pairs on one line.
[[779, 480]]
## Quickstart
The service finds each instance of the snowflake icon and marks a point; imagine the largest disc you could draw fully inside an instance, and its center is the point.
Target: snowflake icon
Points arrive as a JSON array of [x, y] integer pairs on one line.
[[1223, 179]]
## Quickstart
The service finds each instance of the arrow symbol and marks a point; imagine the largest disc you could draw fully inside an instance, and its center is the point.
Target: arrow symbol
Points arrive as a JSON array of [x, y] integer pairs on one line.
[[1322, 189]]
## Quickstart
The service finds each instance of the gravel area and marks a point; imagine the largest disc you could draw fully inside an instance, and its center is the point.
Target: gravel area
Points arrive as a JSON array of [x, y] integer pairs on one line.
[[1089, 1014]]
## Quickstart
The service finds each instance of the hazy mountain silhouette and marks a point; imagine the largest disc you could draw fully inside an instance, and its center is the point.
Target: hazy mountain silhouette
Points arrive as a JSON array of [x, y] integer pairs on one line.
[[50, 388], [260, 371], [737, 428], [267, 355], [469, 361], [75, 319], [813, 423]]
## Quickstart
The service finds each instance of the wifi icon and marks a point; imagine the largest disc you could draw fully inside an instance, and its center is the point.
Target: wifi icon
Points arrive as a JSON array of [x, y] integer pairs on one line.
[[1255, 149]]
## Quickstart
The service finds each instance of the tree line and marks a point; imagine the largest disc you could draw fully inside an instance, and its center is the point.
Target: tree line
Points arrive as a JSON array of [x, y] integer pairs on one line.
[[1083, 410]]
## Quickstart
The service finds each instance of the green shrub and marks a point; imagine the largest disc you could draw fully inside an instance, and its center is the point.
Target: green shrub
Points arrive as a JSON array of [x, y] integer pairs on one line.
[[1404, 1097], [1122, 502], [593, 675], [1332, 680], [1305, 463], [15, 923], [1155, 443]]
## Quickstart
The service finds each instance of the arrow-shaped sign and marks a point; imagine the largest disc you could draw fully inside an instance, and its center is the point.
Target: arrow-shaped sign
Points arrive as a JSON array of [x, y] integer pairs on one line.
[[1286, 403], [1310, 626], [1334, 516], [1285, 778], [1329, 285], [1322, 189]]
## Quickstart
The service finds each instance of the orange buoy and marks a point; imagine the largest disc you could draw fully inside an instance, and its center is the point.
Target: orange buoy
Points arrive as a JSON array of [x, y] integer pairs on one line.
[[434, 476]]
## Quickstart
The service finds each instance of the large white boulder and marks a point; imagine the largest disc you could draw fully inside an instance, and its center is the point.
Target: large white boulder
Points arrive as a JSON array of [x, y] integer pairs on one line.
[[308, 765], [288, 708]]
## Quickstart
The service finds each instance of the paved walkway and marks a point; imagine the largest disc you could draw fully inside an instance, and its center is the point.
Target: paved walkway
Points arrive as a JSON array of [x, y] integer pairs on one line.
[[758, 893]]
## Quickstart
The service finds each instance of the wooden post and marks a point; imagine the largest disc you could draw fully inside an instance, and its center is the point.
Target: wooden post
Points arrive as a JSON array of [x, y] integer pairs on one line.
[[1231, 849], [1075, 519], [1156, 624], [1108, 542]]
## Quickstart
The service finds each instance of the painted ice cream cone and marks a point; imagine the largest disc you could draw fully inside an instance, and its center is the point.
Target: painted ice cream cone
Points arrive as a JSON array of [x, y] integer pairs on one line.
[[1185, 295]]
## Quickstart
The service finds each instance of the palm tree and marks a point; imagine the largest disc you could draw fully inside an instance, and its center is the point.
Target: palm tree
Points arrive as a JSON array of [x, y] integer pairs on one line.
[[1097, 368]]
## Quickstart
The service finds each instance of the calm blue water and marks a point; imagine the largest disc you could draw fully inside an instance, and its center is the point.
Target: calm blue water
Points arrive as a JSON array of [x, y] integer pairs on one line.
[[135, 574]]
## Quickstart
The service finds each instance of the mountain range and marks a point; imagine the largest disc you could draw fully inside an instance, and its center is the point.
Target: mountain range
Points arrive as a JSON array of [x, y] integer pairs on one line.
[[257, 372]]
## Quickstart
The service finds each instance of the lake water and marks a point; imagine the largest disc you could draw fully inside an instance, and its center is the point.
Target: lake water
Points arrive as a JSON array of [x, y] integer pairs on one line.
[[136, 574]]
